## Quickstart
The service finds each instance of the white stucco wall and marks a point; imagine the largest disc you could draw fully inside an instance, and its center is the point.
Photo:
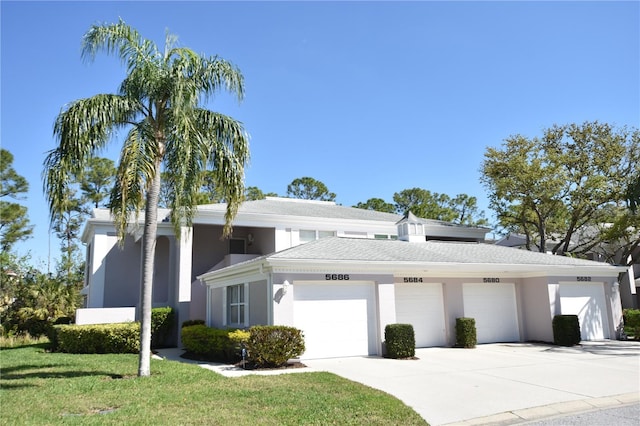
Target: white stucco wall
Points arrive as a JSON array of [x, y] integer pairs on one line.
[[105, 315]]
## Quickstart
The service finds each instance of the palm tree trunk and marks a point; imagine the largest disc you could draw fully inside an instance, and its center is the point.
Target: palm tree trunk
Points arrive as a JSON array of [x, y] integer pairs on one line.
[[148, 253]]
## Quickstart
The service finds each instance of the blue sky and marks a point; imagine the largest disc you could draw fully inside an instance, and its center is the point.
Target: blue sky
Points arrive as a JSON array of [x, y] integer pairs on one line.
[[368, 97]]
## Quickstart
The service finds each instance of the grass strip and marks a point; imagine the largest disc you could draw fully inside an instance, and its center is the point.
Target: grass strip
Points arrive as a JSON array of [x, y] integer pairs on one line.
[[38, 387]]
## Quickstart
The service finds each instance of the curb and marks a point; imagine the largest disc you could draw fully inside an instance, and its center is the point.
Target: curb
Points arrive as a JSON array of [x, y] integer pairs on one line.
[[527, 415]]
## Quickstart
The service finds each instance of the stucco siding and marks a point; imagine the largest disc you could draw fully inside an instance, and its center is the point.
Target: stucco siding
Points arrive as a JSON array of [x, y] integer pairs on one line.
[[535, 310], [207, 250], [258, 310], [161, 275], [216, 308], [122, 274], [454, 305]]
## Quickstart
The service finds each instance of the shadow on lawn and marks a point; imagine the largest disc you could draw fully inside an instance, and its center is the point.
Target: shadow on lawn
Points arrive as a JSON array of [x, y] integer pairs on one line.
[[43, 346], [46, 371]]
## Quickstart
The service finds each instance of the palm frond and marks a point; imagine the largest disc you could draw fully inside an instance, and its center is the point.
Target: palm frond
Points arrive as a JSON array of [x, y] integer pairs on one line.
[[83, 129], [136, 168], [228, 153], [122, 40]]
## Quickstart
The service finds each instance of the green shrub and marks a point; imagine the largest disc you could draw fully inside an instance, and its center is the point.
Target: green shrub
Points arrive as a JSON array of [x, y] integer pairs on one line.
[[274, 345], [400, 341], [98, 338], [162, 322], [632, 322], [566, 330], [213, 344], [188, 323], [466, 333], [52, 334], [239, 337]]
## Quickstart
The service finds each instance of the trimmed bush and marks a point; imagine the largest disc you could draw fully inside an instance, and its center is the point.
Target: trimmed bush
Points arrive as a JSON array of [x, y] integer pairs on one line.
[[400, 341], [52, 333], [566, 330], [632, 322], [212, 344], [273, 345], [98, 338], [162, 322], [188, 323], [466, 333]]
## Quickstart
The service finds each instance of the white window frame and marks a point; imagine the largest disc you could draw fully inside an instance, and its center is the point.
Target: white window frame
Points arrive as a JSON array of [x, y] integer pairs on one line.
[[244, 301], [316, 235]]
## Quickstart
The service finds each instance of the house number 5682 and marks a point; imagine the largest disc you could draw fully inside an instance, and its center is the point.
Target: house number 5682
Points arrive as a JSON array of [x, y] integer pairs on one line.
[[336, 277]]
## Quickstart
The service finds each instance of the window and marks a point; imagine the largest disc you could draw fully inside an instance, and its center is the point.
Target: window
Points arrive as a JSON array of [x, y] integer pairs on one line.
[[306, 236], [310, 235], [236, 305], [236, 246]]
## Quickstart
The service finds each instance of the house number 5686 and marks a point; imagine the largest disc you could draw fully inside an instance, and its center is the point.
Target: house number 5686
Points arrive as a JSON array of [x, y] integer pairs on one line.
[[337, 277]]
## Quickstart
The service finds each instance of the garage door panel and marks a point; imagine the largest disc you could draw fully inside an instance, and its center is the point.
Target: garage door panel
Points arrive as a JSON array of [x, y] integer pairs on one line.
[[587, 301], [336, 319], [493, 306], [422, 306]]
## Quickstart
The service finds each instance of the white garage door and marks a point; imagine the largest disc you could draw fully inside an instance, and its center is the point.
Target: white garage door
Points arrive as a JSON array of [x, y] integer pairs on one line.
[[337, 319], [422, 306], [493, 305], [587, 301]]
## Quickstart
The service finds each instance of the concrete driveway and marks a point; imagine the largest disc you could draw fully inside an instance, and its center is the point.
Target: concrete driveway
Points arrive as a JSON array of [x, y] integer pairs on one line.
[[501, 383]]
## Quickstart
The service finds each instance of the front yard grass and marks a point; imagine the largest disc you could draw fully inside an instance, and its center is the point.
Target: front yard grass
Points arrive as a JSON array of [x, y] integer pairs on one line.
[[38, 387]]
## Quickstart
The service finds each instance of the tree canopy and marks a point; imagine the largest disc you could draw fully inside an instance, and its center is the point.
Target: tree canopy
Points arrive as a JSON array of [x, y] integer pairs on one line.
[[308, 188], [160, 105], [14, 222], [564, 190], [376, 204]]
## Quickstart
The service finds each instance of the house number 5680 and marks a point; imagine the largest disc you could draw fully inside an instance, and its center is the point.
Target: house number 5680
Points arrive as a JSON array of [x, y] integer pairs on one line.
[[337, 277]]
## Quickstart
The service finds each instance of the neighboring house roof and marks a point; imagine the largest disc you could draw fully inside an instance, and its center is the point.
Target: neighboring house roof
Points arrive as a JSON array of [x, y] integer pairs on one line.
[[430, 257]]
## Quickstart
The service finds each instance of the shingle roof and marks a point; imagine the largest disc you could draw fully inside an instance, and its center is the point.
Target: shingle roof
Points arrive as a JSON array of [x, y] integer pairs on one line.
[[309, 208], [351, 249]]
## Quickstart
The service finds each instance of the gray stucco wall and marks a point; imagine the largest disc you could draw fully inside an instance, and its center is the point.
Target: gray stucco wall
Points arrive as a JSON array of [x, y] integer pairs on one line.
[[258, 303], [535, 310], [122, 275], [216, 313], [161, 275]]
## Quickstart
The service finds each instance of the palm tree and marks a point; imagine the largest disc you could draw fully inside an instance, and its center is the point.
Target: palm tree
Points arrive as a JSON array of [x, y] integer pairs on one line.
[[159, 103]]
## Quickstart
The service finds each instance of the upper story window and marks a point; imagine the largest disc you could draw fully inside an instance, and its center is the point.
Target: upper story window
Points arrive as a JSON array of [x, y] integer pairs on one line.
[[385, 237], [237, 246], [310, 235]]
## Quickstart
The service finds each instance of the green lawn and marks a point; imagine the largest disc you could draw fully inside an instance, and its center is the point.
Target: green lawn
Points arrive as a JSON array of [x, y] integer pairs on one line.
[[37, 387]]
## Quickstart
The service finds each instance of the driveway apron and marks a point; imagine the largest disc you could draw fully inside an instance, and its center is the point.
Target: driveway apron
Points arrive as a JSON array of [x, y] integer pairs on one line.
[[501, 383]]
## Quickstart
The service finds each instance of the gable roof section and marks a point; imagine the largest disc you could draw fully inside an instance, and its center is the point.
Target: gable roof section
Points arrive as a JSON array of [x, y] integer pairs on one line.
[[276, 206], [436, 258]]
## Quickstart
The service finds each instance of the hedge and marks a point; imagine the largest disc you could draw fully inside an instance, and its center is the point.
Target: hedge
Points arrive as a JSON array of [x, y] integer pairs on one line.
[[212, 344], [188, 323], [162, 322], [566, 330], [632, 322], [273, 345], [466, 336], [97, 338], [400, 341]]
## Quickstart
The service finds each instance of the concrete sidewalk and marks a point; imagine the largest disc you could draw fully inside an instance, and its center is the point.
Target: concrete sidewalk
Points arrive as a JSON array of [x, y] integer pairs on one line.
[[494, 383]]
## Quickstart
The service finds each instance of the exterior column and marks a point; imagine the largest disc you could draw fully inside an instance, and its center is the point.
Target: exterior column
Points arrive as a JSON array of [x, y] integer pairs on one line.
[[101, 246], [386, 308], [182, 285]]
